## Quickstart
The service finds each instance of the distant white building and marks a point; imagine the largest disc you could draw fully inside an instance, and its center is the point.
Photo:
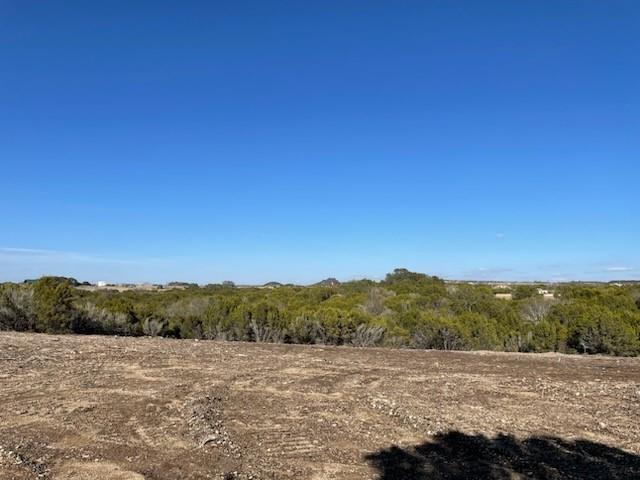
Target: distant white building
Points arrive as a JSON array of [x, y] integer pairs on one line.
[[101, 284]]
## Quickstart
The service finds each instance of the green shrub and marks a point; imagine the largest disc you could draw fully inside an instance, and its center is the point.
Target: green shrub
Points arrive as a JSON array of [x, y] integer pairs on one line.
[[54, 307]]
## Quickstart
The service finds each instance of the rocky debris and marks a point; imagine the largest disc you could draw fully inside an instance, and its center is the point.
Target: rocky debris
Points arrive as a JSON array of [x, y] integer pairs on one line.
[[13, 458], [235, 475], [205, 418]]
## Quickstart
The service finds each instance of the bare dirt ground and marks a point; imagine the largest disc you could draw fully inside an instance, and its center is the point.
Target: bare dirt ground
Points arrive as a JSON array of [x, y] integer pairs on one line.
[[85, 407]]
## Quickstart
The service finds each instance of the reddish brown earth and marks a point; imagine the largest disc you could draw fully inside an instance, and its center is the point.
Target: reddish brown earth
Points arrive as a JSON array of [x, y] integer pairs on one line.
[[85, 407]]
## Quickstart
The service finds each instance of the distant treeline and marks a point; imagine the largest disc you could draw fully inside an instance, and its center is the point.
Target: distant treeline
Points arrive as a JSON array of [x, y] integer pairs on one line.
[[407, 309]]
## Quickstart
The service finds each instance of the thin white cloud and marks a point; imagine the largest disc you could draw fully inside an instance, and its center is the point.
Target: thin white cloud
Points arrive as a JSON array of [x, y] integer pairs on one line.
[[619, 269], [23, 251], [41, 255], [485, 273]]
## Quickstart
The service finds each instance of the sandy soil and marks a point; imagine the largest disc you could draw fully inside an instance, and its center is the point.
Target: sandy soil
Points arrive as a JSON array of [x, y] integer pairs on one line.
[[84, 407]]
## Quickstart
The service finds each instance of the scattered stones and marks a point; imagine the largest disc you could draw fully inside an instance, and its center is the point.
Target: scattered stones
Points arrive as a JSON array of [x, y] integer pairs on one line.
[[206, 422]]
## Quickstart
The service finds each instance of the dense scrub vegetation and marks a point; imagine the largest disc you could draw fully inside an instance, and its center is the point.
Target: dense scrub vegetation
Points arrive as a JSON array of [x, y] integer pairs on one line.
[[405, 310]]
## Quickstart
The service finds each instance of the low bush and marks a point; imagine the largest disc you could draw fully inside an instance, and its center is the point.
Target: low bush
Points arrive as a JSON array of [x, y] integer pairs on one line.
[[406, 309]]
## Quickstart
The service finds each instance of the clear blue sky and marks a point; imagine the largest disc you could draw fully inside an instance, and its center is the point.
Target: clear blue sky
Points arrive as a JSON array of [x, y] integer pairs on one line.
[[292, 141]]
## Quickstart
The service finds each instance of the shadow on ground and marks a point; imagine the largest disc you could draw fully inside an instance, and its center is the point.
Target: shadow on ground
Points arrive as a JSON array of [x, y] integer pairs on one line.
[[455, 455]]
